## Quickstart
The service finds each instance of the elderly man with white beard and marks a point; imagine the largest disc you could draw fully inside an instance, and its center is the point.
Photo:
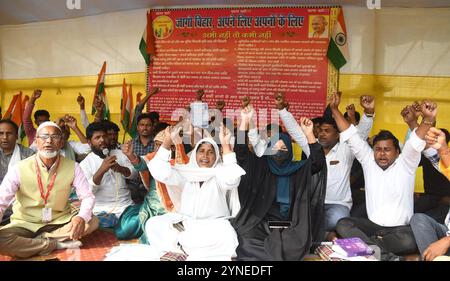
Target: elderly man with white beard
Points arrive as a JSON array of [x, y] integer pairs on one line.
[[42, 219]]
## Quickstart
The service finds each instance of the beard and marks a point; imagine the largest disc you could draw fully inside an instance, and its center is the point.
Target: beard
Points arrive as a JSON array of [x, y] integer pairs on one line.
[[48, 154], [99, 152]]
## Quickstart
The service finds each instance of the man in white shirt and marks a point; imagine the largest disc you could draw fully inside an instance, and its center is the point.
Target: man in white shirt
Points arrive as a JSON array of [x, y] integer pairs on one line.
[[389, 178], [339, 158], [106, 172]]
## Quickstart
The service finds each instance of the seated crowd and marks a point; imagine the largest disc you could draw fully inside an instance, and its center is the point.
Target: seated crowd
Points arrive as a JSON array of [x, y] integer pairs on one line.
[[228, 191]]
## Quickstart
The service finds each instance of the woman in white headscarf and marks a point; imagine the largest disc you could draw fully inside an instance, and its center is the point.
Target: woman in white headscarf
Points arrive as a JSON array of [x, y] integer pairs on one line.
[[208, 200]]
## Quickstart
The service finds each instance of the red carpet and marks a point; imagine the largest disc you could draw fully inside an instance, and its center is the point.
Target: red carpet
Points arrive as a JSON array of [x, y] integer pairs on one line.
[[94, 248]]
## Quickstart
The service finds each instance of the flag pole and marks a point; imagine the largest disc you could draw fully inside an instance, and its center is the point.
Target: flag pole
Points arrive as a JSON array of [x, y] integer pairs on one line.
[[338, 76], [123, 139]]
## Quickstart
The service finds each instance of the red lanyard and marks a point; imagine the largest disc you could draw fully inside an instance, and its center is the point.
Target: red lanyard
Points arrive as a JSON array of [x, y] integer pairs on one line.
[[50, 184]]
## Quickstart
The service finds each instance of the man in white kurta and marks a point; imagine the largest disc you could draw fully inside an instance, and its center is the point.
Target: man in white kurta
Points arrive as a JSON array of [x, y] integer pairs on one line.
[[107, 174], [112, 194], [204, 232]]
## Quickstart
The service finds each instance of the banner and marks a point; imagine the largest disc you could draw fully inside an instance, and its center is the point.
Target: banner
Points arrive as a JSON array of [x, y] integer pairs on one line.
[[236, 52]]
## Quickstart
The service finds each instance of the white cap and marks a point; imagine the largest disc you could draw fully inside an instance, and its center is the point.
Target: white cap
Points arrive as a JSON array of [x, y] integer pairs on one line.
[[47, 124]]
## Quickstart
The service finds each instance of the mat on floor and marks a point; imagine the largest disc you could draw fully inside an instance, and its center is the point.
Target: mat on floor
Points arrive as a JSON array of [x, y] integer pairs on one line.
[[95, 246]]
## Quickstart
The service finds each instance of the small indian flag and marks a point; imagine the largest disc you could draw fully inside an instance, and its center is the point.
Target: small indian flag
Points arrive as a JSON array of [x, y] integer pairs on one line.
[[147, 44], [21, 128], [129, 107], [15, 110], [338, 47], [101, 93], [124, 114]]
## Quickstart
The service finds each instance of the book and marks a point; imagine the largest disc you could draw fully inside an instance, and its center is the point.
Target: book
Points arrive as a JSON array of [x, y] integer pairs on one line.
[[326, 253], [352, 247]]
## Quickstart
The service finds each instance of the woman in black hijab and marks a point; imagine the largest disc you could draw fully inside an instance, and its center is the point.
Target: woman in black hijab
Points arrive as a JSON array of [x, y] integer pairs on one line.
[[281, 200]]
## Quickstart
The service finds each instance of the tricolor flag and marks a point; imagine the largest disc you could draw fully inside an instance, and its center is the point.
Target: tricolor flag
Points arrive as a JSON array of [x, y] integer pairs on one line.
[[22, 134], [130, 105], [125, 113], [338, 47], [133, 121], [15, 110], [101, 93], [147, 44]]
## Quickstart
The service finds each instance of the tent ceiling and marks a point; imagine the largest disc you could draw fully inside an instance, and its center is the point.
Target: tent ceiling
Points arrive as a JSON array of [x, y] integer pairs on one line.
[[25, 11]]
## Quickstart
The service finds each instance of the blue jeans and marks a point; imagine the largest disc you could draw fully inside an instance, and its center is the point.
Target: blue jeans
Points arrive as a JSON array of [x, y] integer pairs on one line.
[[333, 213], [426, 231]]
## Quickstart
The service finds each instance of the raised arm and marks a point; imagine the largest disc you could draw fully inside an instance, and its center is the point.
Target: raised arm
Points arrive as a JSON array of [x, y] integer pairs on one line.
[[290, 123], [231, 175], [409, 117], [413, 148], [216, 113], [366, 123], [436, 139], [83, 115], [248, 122], [160, 167], [317, 155], [140, 106], [30, 131], [72, 123], [349, 133], [429, 112], [180, 153], [99, 107]]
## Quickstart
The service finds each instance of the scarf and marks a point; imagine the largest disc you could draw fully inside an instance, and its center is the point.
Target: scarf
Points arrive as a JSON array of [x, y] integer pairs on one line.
[[193, 173], [283, 173], [15, 158]]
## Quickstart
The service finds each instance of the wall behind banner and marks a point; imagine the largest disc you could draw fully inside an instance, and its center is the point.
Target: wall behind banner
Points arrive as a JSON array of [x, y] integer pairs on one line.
[[399, 55]]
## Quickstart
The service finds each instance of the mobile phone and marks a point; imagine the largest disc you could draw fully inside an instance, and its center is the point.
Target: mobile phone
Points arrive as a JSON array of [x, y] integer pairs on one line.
[[279, 224]]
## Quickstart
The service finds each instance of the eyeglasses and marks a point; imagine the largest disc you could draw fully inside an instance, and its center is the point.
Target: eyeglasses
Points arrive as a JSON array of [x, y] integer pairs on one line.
[[52, 137]]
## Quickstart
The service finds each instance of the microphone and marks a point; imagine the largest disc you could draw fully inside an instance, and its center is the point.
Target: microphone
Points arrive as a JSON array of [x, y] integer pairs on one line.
[[105, 152]]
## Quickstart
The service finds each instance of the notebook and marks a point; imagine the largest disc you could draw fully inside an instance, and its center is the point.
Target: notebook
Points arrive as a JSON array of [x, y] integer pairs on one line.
[[352, 247]]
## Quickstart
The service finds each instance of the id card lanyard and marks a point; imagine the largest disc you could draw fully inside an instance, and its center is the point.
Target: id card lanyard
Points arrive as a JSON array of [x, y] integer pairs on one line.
[[46, 212]]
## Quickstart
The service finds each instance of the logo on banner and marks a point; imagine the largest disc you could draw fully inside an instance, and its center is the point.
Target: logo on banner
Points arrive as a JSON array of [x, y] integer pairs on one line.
[[340, 39], [162, 27]]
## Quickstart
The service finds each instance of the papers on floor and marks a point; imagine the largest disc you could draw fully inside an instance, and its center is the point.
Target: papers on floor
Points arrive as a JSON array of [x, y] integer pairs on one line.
[[132, 252]]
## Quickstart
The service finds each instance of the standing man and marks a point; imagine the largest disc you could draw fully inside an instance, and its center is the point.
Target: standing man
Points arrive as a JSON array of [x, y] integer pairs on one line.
[[42, 218]]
